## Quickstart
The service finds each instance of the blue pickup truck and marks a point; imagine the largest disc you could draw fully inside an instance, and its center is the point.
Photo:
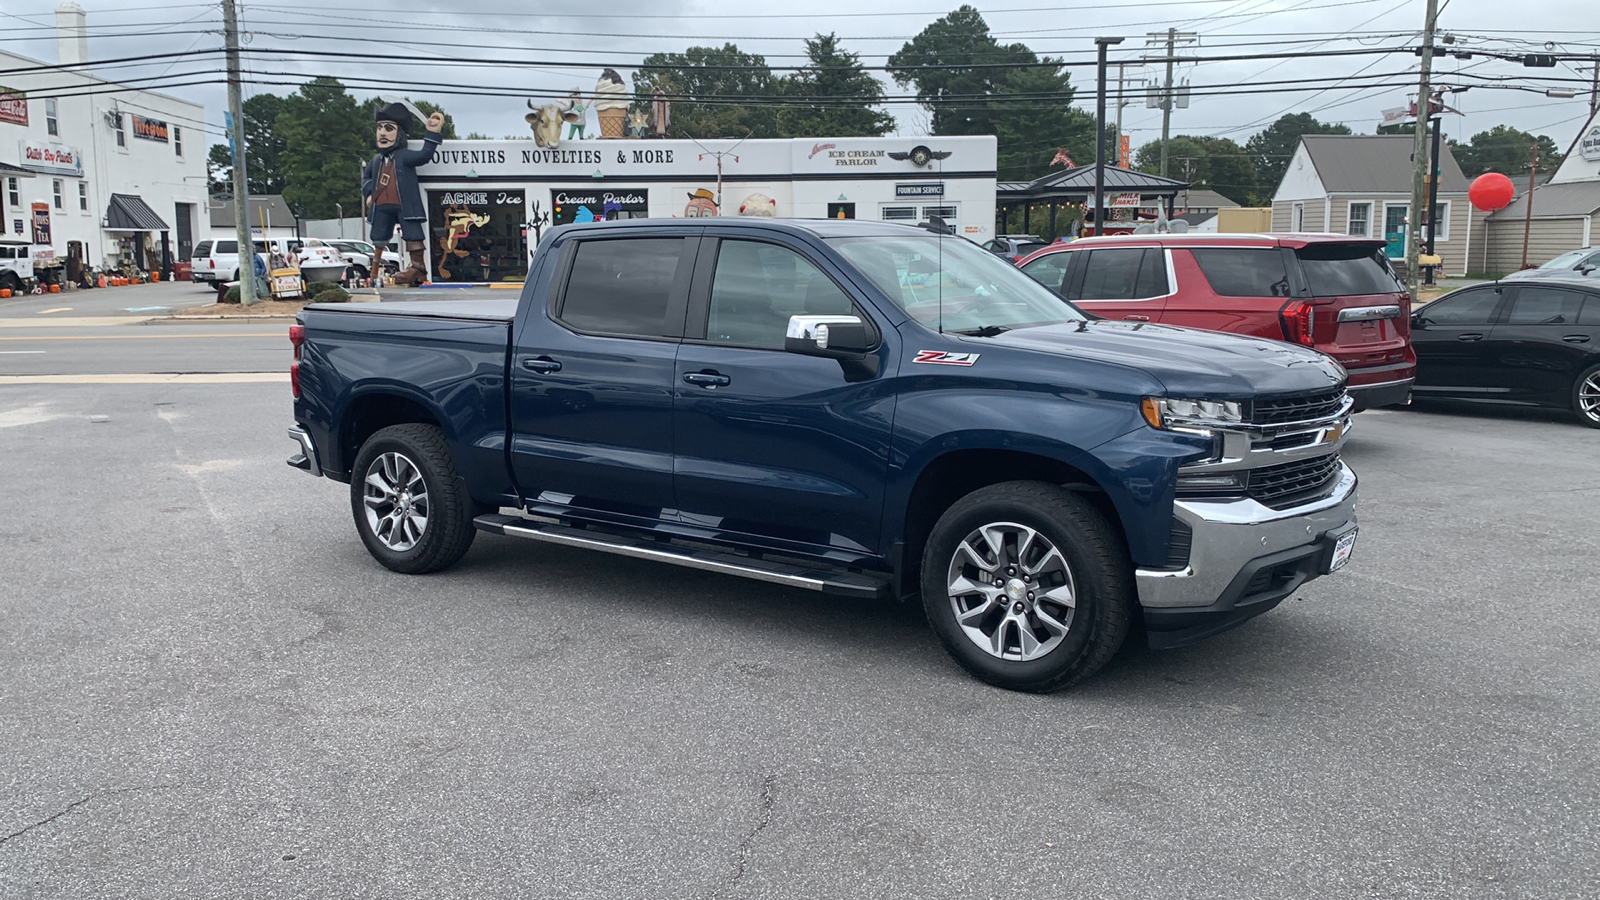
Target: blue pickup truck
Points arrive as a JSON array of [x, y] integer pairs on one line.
[[859, 408]]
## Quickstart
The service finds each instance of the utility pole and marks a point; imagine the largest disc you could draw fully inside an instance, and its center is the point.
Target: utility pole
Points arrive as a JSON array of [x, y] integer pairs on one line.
[[1434, 168], [1419, 151], [1594, 84], [1101, 44], [241, 190], [1527, 218], [1172, 37]]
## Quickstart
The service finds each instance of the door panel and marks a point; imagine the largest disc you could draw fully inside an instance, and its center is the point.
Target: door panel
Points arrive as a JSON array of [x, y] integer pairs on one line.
[[1129, 283], [771, 446], [1540, 346], [1234, 289], [591, 413], [1450, 337]]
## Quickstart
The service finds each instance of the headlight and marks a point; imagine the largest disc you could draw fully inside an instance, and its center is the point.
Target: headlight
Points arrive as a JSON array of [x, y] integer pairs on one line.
[[1171, 412]]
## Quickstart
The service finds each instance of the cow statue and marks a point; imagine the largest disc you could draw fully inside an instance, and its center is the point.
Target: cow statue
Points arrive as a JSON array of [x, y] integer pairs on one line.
[[546, 122]]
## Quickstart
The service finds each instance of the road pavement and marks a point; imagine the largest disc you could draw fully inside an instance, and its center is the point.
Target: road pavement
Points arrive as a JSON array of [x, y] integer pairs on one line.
[[209, 689]]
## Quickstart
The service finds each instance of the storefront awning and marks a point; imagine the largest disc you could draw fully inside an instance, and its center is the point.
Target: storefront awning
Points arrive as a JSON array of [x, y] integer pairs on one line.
[[130, 213]]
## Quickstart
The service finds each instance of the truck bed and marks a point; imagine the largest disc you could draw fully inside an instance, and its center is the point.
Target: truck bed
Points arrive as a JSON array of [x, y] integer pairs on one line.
[[488, 309]]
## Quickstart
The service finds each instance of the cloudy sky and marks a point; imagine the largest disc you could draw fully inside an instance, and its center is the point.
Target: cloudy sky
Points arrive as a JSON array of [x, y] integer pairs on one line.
[[511, 49]]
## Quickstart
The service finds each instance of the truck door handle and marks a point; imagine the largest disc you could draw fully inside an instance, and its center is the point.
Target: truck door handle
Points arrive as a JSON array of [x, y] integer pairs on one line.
[[1575, 338], [1474, 336], [544, 365], [707, 379], [1136, 318]]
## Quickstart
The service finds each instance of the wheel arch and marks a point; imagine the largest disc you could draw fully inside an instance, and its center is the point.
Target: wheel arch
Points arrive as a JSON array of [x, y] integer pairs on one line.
[[368, 412]]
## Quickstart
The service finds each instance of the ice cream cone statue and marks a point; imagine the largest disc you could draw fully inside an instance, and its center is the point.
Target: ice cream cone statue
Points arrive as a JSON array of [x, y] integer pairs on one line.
[[611, 104]]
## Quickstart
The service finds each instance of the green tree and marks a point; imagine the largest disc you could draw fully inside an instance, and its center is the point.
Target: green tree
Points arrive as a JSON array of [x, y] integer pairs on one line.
[[844, 95], [1186, 160], [263, 156], [973, 84], [326, 141], [1271, 148], [1230, 171], [716, 92], [1506, 150]]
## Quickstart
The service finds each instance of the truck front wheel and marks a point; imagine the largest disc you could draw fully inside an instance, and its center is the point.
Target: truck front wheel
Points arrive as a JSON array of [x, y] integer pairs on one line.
[[409, 508], [1027, 586]]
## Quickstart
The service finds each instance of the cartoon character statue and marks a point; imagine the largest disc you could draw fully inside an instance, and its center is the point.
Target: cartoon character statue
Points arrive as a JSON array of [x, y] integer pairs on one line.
[[610, 103], [702, 203], [575, 116], [390, 191], [759, 205], [662, 110], [459, 222]]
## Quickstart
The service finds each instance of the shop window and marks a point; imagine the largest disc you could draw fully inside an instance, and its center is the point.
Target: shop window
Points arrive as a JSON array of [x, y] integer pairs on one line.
[[55, 185], [83, 196], [51, 125], [943, 212], [477, 235], [900, 213], [841, 210]]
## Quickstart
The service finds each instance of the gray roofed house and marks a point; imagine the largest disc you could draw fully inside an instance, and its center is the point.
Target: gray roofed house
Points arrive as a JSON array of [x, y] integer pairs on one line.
[[1201, 200], [1361, 185], [1565, 210], [280, 220]]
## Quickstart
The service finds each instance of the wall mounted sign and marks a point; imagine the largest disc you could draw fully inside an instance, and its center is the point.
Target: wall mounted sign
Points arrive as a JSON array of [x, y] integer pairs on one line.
[[41, 224], [13, 106], [150, 129], [933, 189], [53, 159]]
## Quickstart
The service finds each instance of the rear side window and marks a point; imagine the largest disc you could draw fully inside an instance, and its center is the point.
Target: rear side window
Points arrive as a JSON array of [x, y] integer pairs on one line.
[[1474, 307], [202, 249], [1545, 306], [1591, 311], [623, 286], [1244, 271], [1050, 270], [1335, 270], [227, 247], [1111, 274]]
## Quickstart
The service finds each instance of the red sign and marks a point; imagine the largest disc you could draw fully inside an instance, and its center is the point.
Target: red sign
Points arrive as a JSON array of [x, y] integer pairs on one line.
[[1125, 152], [13, 106]]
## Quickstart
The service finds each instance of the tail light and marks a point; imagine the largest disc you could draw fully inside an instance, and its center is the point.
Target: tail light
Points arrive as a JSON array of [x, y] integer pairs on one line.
[[297, 337], [1296, 318]]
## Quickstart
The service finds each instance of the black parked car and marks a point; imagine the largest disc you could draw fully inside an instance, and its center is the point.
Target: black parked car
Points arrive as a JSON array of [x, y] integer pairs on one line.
[[1528, 343]]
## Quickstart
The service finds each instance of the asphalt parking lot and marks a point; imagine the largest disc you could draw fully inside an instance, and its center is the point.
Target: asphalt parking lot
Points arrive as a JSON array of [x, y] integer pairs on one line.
[[208, 689]]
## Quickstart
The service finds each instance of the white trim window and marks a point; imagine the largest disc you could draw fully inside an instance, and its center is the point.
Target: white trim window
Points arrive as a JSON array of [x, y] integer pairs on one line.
[[51, 124], [1359, 220], [83, 196], [1297, 216], [56, 187], [1441, 214], [900, 213], [116, 124], [177, 141], [14, 194]]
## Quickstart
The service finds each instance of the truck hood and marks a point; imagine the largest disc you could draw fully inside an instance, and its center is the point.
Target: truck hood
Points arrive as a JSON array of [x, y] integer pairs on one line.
[[1187, 361]]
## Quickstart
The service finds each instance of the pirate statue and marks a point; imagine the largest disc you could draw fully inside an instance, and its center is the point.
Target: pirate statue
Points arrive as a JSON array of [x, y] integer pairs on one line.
[[389, 189]]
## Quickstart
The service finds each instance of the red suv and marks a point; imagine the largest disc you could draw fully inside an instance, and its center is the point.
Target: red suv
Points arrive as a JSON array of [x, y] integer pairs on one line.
[[1330, 292]]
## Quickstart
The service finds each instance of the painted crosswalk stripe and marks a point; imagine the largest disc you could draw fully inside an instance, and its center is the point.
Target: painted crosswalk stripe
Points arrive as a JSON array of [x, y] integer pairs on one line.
[[153, 378]]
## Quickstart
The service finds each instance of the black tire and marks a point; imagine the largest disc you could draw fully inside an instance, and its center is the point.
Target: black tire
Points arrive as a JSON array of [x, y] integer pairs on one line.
[[392, 456], [1586, 396], [360, 272], [1094, 566], [11, 281]]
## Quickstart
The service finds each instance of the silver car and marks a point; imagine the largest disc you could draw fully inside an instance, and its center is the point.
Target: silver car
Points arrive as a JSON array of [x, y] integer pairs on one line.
[[1573, 262]]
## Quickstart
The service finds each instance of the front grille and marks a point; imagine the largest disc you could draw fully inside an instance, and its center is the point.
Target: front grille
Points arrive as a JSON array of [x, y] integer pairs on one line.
[[1277, 410], [1289, 484]]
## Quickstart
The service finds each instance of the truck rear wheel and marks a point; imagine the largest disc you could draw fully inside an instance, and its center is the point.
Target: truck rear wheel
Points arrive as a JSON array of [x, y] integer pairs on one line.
[[410, 509], [1027, 586]]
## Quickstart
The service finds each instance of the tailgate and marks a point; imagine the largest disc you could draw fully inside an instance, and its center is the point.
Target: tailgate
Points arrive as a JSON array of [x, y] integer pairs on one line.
[[1362, 313]]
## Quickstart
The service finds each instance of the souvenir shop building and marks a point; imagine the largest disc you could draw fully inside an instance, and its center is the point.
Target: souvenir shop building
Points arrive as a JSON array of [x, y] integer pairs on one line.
[[488, 202]]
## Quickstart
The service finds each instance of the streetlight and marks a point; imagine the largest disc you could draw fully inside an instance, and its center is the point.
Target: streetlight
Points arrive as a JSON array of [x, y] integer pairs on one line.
[[1101, 44]]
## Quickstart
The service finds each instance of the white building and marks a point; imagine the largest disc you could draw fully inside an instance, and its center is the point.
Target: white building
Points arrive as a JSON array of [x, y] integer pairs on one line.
[[92, 171], [489, 201]]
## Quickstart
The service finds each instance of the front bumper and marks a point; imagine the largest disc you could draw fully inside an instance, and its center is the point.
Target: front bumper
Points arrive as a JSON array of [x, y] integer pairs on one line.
[[306, 460], [1244, 558]]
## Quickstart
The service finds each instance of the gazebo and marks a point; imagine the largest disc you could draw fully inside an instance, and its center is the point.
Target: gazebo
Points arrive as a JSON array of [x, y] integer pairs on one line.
[[1124, 189]]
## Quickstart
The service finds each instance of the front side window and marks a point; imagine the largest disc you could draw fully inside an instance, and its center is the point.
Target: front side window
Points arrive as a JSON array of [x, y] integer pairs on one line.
[[1360, 220], [1545, 306], [1471, 307], [757, 287], [1050, 270], [953, 285], [51, 125], [623, 286], [1244, 271]]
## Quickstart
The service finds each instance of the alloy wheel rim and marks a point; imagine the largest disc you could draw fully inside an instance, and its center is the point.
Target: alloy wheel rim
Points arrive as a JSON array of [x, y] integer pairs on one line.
[[1589, 397], [396, 501], [1012, 591]]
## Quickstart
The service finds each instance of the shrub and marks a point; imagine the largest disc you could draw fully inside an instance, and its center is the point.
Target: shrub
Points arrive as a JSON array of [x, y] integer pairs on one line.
[[317, 287], [333, 294], [232, 296]]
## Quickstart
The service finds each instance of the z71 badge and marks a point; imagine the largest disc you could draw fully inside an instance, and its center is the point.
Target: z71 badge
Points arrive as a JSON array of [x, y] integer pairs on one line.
[[942, 358]]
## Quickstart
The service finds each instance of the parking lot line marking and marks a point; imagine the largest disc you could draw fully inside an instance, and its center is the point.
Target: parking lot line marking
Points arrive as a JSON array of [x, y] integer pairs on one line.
[[152, 378], [144, 337], [15, 352], [46, 312]]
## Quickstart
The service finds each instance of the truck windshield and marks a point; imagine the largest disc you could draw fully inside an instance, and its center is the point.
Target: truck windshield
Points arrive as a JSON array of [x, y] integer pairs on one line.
[[954, 285]]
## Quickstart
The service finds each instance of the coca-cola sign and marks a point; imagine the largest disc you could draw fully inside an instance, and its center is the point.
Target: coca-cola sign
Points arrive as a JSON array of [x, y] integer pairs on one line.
[[13, 106], [56, 159]]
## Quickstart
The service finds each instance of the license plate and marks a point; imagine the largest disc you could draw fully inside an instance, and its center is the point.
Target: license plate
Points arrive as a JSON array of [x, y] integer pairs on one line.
[[1341, 551]]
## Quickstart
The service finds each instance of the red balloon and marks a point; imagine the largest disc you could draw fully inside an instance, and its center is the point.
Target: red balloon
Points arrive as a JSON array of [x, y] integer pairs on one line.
[[1491, 191]]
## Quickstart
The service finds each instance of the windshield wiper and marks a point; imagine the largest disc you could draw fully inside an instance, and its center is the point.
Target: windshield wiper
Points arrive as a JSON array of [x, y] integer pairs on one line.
[[984, 331]]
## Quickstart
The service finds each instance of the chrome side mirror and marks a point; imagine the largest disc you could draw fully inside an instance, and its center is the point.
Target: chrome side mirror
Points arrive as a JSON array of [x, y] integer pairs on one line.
[[836, 337]]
